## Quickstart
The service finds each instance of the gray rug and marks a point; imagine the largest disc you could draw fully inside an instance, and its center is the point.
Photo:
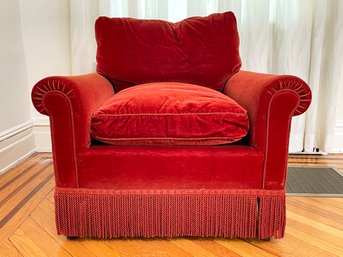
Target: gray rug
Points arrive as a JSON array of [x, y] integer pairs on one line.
[[314, 181]]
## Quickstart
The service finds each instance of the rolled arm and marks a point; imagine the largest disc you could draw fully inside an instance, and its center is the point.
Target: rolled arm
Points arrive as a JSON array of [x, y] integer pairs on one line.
[[271, 101], [70, 102]]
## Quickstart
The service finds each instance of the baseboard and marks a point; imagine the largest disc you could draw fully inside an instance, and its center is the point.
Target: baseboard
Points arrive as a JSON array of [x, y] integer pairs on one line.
[[308, 153], [16, 144], [41, 131], [15, 130]]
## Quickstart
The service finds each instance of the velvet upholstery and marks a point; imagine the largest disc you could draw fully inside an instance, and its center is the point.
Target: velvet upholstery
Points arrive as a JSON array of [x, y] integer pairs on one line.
[[271, 101], [70, 102], [232, 190], [198, 50], [169, 113], [154, 167]]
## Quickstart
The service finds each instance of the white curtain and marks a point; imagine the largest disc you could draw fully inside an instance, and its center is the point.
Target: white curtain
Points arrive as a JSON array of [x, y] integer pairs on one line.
[[303, 38]]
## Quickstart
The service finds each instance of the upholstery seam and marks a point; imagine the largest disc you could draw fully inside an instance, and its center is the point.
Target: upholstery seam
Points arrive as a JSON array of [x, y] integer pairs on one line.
[[52, 143], [168, 191], [167, 138], [282, 91], [289, 132], [167, 114], [73, 128]]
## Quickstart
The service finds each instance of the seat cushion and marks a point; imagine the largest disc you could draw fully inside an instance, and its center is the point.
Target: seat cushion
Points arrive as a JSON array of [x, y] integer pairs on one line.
[[169, 113], [198, 50]]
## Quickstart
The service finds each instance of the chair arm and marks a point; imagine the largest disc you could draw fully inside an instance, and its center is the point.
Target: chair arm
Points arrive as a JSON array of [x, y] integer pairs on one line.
[[271, 101], [70, 102]]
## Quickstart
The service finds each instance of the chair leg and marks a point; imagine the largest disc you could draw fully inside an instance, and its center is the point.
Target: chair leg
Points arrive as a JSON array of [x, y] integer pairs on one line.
[[71, 237]]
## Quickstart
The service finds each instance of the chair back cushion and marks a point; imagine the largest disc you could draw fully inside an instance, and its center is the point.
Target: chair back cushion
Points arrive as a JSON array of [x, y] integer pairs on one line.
[[198, 50], [169, 113]]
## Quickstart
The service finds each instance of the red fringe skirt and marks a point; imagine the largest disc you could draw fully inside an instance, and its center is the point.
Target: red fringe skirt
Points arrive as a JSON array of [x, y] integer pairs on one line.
[[106, 213]]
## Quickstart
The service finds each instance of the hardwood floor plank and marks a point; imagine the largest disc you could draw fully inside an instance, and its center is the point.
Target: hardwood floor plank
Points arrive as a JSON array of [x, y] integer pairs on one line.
[[50, 196], [5, 195], [308, 229], [44, 216], [331, 203], [243, 248], [290, 246], [212, 246], [18, 217], [14, 172], [316, 157], [15, 203], [25, 245], [311, 239], [7, 249], [191, 247], [9, 185], [15, 175], [42, 239], [329, 160], [99, 247], [325, 216], [317, 203], [146, 247], [316, 225], [336, 201], [309, 164]]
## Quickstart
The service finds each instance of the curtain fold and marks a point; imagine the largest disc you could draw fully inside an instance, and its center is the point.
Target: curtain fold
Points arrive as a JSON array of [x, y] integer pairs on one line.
[[303, 38], [83, 47]]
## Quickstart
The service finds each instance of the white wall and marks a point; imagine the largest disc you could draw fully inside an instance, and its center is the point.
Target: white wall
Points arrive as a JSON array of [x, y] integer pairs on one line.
[[14, 97], [35, 43], [46, 36], [340, 105], [16, 138]]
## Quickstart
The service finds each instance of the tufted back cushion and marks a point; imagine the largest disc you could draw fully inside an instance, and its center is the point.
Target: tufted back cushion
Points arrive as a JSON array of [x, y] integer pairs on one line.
[[197, 50]]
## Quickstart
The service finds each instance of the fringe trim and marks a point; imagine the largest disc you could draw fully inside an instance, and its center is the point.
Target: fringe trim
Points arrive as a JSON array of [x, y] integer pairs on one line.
[[105, 213]]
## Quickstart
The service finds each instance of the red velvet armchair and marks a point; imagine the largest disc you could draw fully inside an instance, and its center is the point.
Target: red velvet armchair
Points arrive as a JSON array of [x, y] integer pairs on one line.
[[169, 138]]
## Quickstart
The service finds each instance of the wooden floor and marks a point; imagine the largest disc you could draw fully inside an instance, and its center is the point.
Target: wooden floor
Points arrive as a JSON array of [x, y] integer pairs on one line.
[[314, 225]]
